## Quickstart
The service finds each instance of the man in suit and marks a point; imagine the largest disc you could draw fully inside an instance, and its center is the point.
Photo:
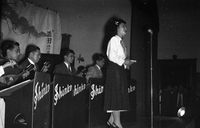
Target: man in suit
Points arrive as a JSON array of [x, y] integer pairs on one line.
[[10, 52], [66, 68], [95, 70], [32, 56]]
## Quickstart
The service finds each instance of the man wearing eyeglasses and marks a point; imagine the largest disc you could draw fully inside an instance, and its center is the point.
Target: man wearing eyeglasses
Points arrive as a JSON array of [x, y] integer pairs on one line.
[[32, 56]]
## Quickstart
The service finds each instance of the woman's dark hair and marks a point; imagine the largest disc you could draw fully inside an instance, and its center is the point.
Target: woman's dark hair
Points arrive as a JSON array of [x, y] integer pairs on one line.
[[115, 24], [119, 21], [8, 44], [110, 30]]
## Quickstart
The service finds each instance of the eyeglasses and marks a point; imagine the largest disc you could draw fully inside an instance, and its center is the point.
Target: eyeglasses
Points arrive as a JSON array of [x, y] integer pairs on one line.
[[37, 54]]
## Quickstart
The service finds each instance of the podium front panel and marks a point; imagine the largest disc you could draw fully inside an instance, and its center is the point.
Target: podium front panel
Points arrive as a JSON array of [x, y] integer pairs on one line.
[[41, 101], [97, 116], [29, 102], [80, 103], [69, 102], [130, 116]]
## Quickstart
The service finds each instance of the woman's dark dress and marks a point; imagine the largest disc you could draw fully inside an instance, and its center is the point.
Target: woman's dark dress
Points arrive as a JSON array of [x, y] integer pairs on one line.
[[116, 88]]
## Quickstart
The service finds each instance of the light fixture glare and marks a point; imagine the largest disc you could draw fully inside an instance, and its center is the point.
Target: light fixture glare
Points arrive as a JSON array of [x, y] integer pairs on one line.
[[181, 112]]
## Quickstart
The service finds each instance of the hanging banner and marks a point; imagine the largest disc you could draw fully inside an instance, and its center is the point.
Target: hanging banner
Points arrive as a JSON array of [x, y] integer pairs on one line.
[[29, 24]]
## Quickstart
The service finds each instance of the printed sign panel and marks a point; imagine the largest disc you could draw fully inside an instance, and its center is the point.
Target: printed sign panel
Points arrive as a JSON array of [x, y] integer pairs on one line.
[[96, 101], [41, 101], [69, 102]]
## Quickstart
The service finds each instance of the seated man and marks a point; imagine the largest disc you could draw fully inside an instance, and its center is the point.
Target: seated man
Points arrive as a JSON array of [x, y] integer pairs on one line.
[[2, 102], [32, 56], [66, 68], [95, 70], [11, 52]]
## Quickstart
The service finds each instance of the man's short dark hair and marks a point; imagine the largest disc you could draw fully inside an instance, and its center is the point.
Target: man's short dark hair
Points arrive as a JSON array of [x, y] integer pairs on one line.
[[66, 52], [31, 48], [98, 57], [8, 44]]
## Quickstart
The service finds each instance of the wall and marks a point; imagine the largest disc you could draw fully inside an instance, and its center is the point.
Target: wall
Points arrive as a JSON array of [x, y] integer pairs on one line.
[[85, 21], [179, 30]]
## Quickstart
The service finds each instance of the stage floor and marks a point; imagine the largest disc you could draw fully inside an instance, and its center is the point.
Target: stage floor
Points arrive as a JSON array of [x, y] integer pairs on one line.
[[158, 122]]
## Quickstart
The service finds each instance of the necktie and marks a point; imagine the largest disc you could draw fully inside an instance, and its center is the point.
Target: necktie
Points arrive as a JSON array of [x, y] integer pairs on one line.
[[101, 74], [35, 67], [69, 68]]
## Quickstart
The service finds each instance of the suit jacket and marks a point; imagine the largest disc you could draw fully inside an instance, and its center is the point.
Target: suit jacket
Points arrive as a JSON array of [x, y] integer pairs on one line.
[[24, 65], [94, 72], [62, 69]]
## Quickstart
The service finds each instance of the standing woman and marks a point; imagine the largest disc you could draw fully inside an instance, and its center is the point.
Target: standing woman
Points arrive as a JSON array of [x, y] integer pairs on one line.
[[116, 86]]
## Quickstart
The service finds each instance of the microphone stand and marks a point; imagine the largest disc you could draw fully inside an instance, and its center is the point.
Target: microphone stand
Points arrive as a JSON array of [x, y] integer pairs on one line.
[[151, 35]]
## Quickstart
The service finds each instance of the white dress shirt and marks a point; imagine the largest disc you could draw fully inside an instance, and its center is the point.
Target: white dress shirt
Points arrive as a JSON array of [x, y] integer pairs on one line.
[[1, 71], [68, 66], [115, 51]]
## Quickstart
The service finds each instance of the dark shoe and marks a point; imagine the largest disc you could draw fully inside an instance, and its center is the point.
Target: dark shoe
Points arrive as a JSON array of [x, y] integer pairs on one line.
[[109, 124], [114, 126]]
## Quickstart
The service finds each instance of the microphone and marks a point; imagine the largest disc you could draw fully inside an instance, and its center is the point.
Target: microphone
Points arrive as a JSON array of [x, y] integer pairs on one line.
[[150, 31]]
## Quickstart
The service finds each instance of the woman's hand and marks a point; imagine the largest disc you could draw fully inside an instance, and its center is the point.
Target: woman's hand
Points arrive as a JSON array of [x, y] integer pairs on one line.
[[129, 62]]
